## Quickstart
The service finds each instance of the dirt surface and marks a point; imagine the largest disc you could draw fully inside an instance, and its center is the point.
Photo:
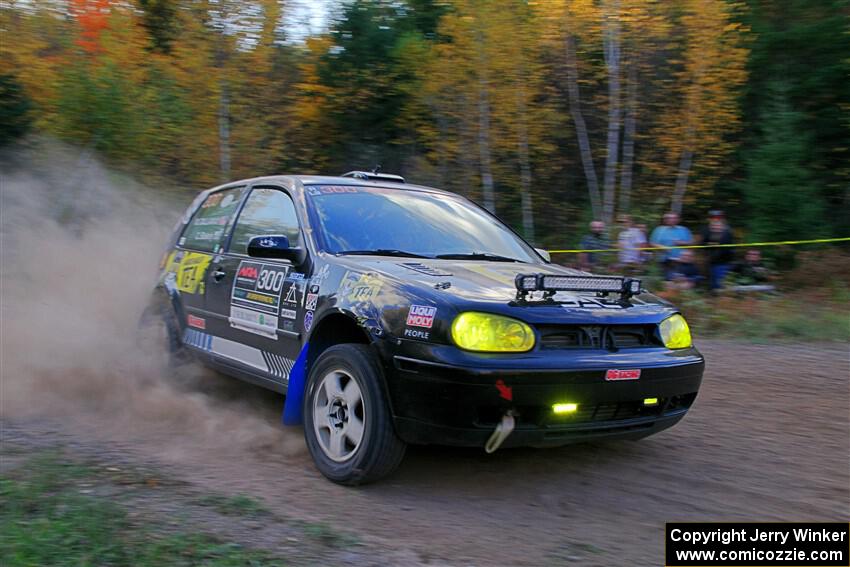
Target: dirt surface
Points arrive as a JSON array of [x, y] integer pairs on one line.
[[768, 439]]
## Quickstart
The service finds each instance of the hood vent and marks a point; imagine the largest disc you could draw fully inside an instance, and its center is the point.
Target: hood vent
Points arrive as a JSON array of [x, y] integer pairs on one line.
[[427, 270]]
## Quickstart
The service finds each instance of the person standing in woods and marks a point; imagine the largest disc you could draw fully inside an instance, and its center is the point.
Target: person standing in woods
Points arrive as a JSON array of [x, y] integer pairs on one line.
[[595, 240], [671, 233], [630, 241], [719, 259]]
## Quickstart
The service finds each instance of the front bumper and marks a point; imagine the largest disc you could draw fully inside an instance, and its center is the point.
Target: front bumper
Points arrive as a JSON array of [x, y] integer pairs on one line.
[[457, 398]]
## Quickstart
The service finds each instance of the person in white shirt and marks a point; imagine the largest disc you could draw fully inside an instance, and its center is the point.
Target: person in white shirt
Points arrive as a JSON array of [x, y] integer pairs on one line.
[[630, 241]]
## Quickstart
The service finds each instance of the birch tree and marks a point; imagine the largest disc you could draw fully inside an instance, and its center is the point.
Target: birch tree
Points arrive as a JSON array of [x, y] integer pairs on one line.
[[695, 127]]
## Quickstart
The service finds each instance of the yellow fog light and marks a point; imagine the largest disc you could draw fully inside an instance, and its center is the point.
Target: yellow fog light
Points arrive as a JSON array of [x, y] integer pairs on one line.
[[650, 401], [675, 332], [485, 332], [564, 408]]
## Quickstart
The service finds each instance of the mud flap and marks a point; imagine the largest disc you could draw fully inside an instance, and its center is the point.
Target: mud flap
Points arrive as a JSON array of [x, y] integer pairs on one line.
[[292, 414]]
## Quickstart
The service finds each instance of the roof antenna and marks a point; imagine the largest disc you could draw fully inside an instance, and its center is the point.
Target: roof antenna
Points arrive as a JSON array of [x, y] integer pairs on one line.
[[377, 168]]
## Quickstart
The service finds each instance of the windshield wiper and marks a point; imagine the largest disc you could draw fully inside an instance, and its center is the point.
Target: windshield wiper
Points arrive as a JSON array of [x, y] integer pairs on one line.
[[478, 256], [382, 252]]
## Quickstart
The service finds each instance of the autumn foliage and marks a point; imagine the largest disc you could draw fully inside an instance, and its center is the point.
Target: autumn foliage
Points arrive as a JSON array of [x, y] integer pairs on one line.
[[549, 112]]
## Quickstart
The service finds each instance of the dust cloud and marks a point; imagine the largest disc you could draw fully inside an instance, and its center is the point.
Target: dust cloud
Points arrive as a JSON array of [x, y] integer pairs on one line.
[[80, 247]]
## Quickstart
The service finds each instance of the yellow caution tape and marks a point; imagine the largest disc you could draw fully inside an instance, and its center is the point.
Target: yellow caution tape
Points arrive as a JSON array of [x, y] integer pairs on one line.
[[743, 245]]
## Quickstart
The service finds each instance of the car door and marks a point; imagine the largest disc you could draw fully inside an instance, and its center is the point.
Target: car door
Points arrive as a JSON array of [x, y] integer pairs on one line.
[[187, 267], [257, 301]]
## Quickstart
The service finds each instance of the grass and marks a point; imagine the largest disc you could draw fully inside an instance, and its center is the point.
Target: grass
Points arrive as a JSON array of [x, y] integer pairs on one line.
[[329, 536], [45, 519], [801, 316]]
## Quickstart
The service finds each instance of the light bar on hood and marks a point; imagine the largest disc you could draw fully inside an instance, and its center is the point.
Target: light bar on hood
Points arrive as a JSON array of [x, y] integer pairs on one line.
[[526, 283]]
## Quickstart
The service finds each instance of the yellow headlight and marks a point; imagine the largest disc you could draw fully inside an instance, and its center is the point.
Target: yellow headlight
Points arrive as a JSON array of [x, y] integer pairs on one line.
[[675, 332], [485, 332]]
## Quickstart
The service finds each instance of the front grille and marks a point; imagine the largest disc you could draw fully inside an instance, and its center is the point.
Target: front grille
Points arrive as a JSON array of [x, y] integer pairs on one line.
[[610, 337]]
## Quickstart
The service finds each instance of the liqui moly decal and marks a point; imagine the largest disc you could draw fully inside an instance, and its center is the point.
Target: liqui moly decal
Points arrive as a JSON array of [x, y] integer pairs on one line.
[[421, 316]]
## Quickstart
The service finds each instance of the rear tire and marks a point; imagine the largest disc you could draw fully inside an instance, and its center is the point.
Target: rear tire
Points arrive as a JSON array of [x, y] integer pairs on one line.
[[159, 336], [347, 421]]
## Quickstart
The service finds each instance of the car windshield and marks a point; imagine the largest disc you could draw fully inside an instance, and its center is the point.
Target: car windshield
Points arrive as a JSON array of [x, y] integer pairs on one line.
[[400, 222]]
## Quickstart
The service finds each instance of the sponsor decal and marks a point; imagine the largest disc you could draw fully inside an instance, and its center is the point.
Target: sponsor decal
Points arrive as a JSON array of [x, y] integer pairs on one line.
[[188, 269], [359, 287], [295, 276], [197, 322], [207, 235], [308, 321], [312, 299], [421, 316], [197, 339], [506, 392], [267, 243], [258, 286], [614, 374], [319, 277], [255, 300], [274, 364], [291, 295], [248, 271], [255, 322], [416, 334], [210, 221], [334, 189]]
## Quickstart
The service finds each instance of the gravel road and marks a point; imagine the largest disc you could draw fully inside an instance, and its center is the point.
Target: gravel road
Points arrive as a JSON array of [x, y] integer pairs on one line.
[[767, 440]]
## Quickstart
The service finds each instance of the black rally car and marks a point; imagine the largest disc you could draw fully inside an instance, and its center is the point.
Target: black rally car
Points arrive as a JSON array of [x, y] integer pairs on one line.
[[390, 313]]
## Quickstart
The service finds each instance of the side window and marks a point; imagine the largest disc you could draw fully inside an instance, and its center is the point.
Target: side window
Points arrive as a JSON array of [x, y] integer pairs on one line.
[[206, 229], [267, 211]]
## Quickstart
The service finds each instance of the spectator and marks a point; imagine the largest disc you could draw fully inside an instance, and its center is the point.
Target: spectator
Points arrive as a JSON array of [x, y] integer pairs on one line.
[[683, 273], [630, 241], [595, 240], [671, 233], [750, 271], [719, 259]]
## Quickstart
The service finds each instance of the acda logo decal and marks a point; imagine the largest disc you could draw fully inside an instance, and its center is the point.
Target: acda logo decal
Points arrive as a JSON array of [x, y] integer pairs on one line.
[[421, 316], [248, 271], [615, 374]]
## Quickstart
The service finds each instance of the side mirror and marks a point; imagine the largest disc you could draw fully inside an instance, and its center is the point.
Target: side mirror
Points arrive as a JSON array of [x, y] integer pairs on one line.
[[275, 246], [544, 253]]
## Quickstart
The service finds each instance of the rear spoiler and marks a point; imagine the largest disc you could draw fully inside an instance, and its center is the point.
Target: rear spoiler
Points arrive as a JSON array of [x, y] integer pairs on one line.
[[548, 283]]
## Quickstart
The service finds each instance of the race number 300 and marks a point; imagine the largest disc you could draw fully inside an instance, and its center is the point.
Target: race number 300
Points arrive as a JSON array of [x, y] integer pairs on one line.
[[270, 280]]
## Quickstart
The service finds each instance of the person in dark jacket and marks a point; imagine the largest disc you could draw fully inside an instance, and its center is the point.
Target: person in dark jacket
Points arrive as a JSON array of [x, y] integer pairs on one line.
[[750, 271], [595, 240], [719, 259]]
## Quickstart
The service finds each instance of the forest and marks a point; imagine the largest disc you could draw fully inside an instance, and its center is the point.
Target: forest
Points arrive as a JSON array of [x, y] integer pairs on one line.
[[550, 113]]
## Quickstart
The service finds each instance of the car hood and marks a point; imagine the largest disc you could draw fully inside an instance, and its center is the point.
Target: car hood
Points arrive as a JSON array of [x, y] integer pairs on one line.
[[468, 284]]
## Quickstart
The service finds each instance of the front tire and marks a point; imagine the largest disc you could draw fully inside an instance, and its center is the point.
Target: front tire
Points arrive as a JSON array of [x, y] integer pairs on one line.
[[347, 421]]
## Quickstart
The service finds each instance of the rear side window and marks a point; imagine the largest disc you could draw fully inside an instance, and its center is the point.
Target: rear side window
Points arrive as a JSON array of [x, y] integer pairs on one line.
[[208, 226], [267, 211]]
